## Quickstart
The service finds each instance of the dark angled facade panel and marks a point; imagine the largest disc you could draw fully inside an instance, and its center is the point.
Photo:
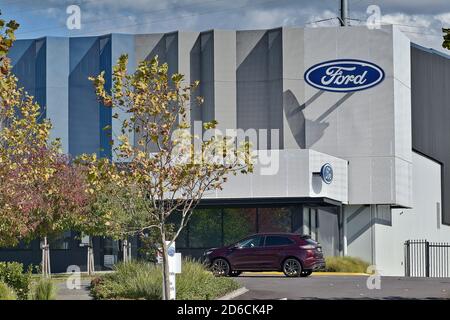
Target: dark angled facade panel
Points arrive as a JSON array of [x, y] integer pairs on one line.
[[29, 66], [87, 117], [430, 95], [105, 113]]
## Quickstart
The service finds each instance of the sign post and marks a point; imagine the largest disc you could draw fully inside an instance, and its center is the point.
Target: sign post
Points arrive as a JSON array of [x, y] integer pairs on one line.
[[174, 268]]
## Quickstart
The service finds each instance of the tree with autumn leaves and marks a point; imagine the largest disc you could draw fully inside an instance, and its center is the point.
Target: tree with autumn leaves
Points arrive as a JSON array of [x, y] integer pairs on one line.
[[41, 192], [158, 174], [169, 167]]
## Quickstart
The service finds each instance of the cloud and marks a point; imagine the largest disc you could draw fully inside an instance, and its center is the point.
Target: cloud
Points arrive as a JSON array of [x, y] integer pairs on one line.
[[420, 20], [444, 18]]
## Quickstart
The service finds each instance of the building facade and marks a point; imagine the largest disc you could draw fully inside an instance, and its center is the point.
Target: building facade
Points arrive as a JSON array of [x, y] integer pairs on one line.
[[381, 133]]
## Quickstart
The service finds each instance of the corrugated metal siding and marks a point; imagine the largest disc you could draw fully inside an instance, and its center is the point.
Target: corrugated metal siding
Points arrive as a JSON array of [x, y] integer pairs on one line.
[[430, 95]]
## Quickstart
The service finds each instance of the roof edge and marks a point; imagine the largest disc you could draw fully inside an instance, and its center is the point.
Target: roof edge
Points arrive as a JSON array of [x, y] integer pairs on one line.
[[430, 50]]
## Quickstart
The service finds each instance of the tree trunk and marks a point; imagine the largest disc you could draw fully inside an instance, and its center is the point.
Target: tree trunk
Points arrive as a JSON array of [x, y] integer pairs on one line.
[[165, 265], [125, 256], [129, 250], [46, 271], [90, 258]]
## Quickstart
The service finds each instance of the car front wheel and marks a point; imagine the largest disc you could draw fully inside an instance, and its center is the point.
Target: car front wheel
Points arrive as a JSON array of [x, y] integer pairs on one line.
[[220, 267], [292, 267]]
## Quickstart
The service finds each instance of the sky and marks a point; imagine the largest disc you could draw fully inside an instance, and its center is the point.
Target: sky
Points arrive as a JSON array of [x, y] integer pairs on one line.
[[421, 20]]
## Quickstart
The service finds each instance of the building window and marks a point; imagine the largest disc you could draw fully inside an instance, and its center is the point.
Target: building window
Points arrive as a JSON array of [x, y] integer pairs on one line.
[[175, 220], [274, 220], [238, 223], [205, 228], [61, 241], [311, 222]]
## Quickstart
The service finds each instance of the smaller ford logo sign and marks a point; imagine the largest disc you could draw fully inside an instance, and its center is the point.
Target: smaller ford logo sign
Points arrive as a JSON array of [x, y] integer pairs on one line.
[[345, 75], [326, 172], [171, 251]]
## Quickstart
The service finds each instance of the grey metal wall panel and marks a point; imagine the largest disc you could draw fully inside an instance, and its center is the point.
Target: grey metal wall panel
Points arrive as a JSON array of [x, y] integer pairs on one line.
[[259, 81], [430, 93], [122, 44], [207, 75], [57, 89]]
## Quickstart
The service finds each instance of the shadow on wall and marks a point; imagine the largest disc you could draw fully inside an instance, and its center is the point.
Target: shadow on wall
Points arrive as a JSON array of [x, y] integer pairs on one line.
[[167, 51], [361, 220], [259, 86], [297, 122]]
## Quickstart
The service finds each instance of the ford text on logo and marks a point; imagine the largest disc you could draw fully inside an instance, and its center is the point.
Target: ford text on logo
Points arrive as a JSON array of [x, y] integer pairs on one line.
[[344, 75]]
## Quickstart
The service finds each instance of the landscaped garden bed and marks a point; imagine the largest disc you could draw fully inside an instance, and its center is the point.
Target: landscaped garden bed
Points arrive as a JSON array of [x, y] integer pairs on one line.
[[142, 280]]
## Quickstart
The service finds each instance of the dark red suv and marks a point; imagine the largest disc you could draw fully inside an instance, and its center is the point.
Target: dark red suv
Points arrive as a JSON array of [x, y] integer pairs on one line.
[[294, 254]]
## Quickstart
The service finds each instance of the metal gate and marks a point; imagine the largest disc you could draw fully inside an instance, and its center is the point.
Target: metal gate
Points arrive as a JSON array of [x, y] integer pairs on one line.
[[427, 259]]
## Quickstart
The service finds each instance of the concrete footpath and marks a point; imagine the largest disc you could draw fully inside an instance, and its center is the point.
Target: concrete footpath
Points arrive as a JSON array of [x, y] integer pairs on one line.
[[73, 294]]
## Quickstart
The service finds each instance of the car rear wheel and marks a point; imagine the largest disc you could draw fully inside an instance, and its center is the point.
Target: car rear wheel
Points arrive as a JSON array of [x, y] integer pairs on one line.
[[305, 273], [220, 267], [292, 267]]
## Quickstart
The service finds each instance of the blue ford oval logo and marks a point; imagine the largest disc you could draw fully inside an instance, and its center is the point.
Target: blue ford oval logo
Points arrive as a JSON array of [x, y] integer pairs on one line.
[[326, 172], [345, 75]]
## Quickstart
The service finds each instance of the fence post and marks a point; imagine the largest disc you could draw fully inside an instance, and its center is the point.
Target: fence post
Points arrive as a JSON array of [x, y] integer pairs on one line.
[[407, 267], [427, 259]]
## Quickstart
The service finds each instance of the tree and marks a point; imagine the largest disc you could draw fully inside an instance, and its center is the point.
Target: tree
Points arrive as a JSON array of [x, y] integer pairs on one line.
[[171, 168], [41, 192], [116, 209], [446, 43], [47, 189]]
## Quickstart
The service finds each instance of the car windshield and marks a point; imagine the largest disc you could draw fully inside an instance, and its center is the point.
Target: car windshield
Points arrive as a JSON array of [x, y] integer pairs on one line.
[[250, 242], [310, 241]]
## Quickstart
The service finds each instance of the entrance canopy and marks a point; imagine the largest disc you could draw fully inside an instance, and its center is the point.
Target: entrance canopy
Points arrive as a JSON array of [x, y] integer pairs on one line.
[[290, 173]]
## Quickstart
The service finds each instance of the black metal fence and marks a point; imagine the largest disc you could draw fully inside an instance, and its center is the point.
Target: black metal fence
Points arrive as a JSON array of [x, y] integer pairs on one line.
[[427, 259]]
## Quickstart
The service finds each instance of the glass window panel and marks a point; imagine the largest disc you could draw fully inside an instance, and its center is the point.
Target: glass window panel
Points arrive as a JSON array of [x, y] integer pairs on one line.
[[314, 224], [306, 221], [252, 242], [61, 241], [238, 223], [175, 220], [277, 241], [205, 228], [274, 220]]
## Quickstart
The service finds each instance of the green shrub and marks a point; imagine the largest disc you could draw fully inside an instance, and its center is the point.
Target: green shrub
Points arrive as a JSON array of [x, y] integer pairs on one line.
[[13, 274], [44, 289], [345, 264], [6, 293], [139, 280]]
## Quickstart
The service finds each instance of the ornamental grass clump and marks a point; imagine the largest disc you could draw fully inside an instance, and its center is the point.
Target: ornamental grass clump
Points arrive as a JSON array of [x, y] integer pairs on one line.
[[44, 289], [6, 292], [345, 264]]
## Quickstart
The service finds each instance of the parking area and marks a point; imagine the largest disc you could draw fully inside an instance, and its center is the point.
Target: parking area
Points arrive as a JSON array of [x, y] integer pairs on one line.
[[275, 286]]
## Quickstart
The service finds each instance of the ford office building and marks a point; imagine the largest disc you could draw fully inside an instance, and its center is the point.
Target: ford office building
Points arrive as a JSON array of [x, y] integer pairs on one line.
[[357, 123]]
